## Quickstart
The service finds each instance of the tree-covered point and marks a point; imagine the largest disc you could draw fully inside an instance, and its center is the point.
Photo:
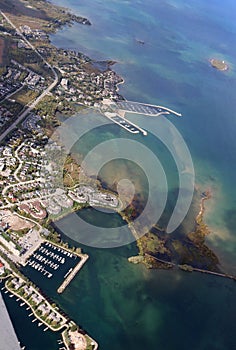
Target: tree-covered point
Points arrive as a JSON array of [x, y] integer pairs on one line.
[[51, 15]]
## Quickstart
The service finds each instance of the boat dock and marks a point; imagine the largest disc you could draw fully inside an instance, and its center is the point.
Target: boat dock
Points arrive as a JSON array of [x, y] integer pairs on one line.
[[125, 123], [144, 108], [115, 111], [49, 259], [73, 273]]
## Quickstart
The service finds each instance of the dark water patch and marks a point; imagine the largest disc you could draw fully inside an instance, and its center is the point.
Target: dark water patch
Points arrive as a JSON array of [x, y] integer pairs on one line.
[[53, 270], [28, 333]]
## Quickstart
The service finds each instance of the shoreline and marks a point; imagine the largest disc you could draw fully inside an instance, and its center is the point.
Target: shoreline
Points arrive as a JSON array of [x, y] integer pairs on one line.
[[120, 82], [73, 273], [147, 258], [220, 65]]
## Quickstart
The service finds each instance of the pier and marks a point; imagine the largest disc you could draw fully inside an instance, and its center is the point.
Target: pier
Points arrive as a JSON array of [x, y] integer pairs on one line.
[[125, 123], [115, 111], [191, 268], [144, 108], [73, 273]]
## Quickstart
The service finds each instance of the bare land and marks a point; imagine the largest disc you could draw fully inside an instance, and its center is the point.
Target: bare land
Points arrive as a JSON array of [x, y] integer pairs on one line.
[[14, 221]]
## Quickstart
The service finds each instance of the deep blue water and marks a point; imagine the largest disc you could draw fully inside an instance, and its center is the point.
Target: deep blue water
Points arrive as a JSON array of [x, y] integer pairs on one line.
[[126, 306]]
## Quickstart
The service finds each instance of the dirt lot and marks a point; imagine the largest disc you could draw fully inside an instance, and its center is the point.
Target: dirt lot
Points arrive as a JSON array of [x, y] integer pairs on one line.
[[14, 221]]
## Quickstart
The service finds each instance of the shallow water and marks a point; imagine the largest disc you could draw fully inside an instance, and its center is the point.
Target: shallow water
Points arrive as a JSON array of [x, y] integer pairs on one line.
[[124, 306]]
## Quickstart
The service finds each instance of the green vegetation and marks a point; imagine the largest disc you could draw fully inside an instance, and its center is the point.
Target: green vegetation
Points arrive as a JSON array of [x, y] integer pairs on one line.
[[47, 16], [31, 60], [13, 107], [50, 106], [25, 96]]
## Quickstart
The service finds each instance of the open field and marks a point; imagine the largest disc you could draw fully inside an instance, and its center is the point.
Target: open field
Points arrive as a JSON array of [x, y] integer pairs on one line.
[[36, 23], [33, 9], [25, 96], [15, 222], [39, 14]]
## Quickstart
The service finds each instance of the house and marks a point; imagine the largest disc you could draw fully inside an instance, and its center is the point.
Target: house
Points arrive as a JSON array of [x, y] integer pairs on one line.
[[2, 269], [64, 83]]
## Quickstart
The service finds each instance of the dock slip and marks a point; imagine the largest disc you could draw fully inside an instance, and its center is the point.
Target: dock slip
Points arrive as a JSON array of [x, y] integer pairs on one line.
[[125, 123], [144, 108], [72, 274]]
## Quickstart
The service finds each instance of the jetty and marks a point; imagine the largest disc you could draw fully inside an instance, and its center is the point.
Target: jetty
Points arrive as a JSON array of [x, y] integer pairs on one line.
[[73, 273], [191, 268], [125, 123], [116, 110], [145, 108]]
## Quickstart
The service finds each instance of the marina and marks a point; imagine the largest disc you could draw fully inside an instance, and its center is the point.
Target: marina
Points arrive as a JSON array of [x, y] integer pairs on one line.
[[125, 123], [115, 111], [46, 313], [143, 108], [51, 262]]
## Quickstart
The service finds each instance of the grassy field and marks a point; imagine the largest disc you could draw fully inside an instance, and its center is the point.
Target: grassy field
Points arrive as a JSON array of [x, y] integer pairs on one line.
[[39, 14], [26, 8], [25, 96]]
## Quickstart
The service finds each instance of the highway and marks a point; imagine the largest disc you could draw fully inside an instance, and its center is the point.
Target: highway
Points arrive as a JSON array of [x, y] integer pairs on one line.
[[39, 98]]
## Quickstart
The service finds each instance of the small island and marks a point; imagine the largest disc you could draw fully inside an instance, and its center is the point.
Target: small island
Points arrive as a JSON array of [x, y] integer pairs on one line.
[[219, 64]]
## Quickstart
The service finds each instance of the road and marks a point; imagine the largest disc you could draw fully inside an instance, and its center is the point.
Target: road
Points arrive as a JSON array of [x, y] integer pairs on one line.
[[12, 94], [39, 98]]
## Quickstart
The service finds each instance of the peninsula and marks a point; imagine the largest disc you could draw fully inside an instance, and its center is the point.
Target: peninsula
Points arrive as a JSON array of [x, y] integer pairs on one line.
[[188, 252], [39, 82]]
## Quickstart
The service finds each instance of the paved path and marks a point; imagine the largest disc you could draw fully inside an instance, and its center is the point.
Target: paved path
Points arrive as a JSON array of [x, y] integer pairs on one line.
[[69, 278], [12, 93]]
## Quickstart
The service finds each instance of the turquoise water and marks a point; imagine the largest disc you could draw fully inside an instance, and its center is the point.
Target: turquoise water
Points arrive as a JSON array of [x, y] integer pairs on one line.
[[125, 306], [172, 69]]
